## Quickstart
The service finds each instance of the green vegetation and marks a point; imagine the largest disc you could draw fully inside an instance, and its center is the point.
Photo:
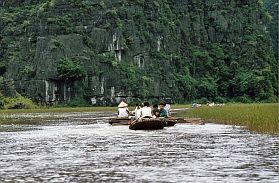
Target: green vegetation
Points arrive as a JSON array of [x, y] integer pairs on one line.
[[70, 70], [188, 51], [16, 102], [261, 118], [272, 15]]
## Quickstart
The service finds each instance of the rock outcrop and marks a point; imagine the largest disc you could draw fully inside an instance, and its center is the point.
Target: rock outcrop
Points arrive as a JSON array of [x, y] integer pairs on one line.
[[137, 49]]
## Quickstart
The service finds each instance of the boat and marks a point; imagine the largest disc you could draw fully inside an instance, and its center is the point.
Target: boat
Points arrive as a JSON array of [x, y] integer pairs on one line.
[[170, 122], [148, 124], [194, 121], [120, 121]]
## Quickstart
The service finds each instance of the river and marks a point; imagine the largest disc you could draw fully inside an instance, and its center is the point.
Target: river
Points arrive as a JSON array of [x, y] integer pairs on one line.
[[83, 147]]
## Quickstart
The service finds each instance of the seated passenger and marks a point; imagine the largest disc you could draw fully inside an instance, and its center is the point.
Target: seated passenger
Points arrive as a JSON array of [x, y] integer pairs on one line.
[[163, 112], [123, 111], [167, 105], [167, 108], [146, 111], [137, 111], [155, 111]]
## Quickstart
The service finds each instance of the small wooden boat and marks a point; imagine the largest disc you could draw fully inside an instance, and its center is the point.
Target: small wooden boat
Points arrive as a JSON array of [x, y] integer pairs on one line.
[[120, 121], [195, 121], [148, 124], [170, 122]]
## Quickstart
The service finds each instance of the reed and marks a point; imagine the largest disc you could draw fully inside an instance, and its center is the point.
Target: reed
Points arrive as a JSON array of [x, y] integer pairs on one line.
[[261, 118]]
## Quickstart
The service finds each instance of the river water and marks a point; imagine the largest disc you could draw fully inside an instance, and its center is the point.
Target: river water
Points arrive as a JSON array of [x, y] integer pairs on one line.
[[83, 147]]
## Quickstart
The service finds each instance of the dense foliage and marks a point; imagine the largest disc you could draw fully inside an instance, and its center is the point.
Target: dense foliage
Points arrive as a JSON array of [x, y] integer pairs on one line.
[[70, 70], [272, 7], [186, 50]]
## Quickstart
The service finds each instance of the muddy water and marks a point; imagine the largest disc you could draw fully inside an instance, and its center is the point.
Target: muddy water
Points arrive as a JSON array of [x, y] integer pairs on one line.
[[82, 147]]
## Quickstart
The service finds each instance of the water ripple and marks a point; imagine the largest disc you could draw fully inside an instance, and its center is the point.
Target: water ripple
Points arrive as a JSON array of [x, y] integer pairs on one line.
[[82, 147]]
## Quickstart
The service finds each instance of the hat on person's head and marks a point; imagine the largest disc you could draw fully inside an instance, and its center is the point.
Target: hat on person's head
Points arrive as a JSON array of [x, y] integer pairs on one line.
[[122, 104]]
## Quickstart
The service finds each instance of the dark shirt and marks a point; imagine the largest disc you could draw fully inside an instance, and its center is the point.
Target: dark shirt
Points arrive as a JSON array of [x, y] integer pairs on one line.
[[163, 113]]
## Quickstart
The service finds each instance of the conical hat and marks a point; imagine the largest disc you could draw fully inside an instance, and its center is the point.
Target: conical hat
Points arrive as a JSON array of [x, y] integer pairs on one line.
[[122, 104]]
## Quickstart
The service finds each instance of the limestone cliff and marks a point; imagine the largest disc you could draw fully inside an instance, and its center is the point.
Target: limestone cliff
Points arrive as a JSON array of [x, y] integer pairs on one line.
[[104, 50]]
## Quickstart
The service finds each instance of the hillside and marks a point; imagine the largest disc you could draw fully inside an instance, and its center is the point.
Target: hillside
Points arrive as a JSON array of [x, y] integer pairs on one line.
[[272, 8], [103, 50]]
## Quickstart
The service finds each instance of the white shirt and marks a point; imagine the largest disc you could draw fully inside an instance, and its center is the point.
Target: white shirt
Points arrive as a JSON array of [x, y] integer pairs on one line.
[[167, 108], [137, 113], [123, 112], [146, 112]]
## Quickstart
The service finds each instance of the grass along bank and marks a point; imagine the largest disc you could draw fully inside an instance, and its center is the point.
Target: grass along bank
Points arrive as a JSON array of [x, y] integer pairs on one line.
[[261, 118]]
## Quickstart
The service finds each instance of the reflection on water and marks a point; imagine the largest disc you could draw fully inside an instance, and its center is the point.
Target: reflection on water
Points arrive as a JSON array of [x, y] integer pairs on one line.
[[82, 147]]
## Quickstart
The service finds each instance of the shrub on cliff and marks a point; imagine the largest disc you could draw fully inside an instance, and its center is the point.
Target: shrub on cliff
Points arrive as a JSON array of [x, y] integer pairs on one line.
[[69, 70], [18, 100]]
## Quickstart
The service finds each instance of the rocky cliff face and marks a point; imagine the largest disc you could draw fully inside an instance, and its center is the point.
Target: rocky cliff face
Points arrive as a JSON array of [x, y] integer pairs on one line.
[[105, 50], [272, 7]]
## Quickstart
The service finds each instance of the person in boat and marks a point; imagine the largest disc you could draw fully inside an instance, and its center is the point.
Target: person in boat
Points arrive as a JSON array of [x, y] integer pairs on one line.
[[163, 111], [167, 108], [146, 111], [123, 111], [137, 111], [155, 111]]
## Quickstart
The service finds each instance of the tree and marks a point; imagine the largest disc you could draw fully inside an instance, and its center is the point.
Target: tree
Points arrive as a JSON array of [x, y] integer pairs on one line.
[[69, 70]]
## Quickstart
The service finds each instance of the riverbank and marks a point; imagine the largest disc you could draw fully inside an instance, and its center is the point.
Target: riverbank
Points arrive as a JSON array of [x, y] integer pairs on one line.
[[262, 118], [74, 109]]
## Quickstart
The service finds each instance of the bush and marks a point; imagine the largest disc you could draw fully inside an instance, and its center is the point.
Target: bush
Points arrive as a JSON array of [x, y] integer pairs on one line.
[[112, 13], [18, 100], [78, 102], [268, 16], [69, 70], [61, 20], [243, 99], [2, 103], [207, 87], [202, 101], [2, 68], [8, 88], [220, 100]]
